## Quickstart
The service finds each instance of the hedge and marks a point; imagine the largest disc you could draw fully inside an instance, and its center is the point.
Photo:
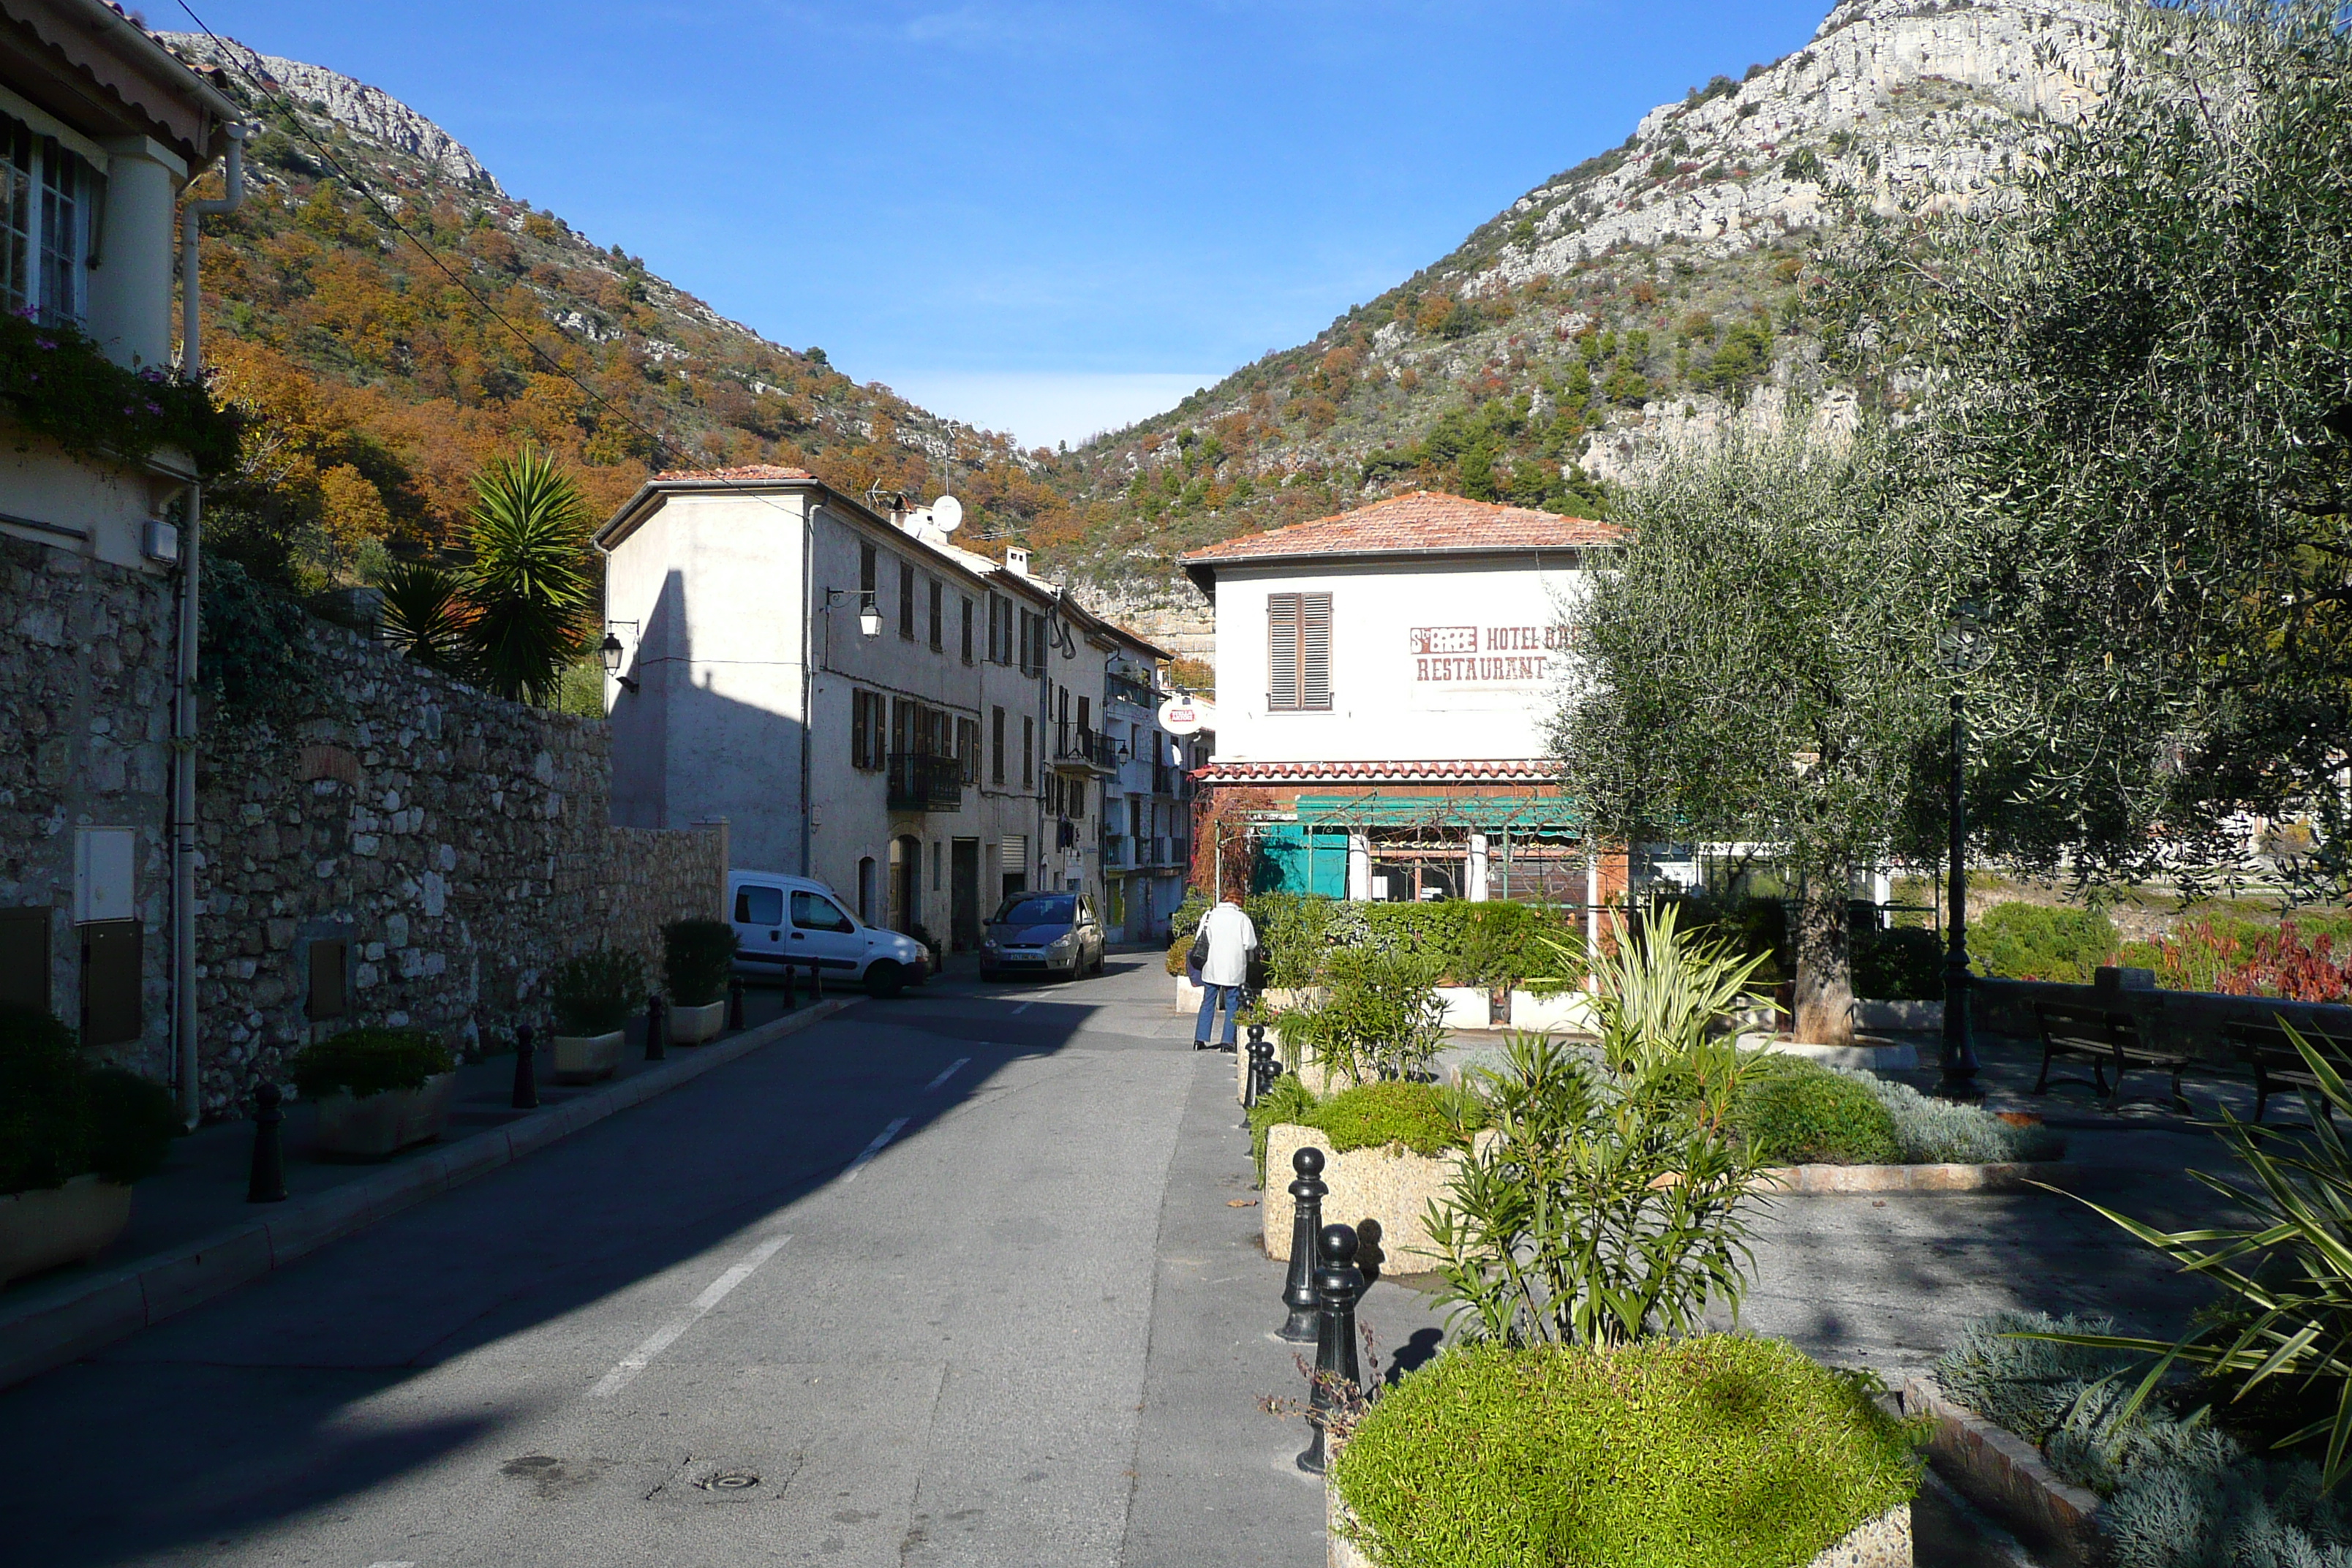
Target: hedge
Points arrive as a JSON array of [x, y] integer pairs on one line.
[[361, 1062], [62, 1118], [1713, 1452]]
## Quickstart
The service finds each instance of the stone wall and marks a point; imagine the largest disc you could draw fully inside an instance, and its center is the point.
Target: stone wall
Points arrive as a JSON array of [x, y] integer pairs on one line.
[[85, 742], [458, 845]]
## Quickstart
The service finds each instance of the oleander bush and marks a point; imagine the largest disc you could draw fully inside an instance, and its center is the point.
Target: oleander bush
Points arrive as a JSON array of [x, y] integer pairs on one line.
[[1708, 1452], [1380, 1017], [595, 992], [699, 958], [61, 1117], [363, 1062]]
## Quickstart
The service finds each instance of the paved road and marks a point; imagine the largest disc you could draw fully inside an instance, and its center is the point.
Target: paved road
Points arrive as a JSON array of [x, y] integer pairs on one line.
[[881, 1293]]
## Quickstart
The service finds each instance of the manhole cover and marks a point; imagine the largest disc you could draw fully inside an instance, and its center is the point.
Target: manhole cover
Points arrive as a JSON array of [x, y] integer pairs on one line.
[[730, 1481]]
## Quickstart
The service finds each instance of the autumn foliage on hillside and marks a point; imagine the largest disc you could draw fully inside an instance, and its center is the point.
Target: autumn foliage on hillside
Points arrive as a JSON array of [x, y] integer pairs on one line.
[[381, 370]]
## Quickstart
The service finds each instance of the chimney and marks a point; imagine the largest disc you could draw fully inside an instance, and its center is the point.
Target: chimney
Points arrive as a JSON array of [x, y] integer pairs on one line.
[[1016, 561]]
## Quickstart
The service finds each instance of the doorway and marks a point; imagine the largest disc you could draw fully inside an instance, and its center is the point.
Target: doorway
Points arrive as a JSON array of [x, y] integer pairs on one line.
[[963, 893], [905, 883]]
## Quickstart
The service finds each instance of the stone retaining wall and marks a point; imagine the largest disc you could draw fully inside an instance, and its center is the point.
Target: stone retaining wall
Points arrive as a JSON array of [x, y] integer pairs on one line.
[[458, 846], [2191, 1021]]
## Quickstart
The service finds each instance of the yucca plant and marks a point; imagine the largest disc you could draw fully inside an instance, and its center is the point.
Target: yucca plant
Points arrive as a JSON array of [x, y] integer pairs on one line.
[[530, 594], [426, 616], [2286, 1273], [1614, 1204]]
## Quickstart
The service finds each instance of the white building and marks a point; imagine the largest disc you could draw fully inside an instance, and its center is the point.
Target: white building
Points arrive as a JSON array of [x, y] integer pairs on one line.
[[863, 699], [1385, 675]]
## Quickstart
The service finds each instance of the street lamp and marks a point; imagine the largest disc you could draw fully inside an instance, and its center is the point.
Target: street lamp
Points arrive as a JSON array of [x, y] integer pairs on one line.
[[1962, 649], [612, 653], [869, 615]]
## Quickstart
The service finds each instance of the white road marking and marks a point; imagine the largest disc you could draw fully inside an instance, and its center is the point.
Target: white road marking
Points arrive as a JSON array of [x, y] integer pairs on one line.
[[1022, 1008], [881, 1139], [950, 1072], [637, 1359], [392, 1565]]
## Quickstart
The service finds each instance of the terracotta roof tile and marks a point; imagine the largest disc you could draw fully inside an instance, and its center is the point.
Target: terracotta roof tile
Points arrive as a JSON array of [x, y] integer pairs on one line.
[[749, 473], [1517, 769], [1421, 523]]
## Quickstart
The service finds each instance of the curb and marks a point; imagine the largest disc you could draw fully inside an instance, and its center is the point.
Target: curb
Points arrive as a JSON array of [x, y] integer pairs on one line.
[[51, 1327], [2007, 1477], [1801, 1180]]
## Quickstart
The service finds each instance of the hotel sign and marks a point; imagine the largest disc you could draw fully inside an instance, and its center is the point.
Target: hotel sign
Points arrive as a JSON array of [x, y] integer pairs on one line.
[[1484, 656]]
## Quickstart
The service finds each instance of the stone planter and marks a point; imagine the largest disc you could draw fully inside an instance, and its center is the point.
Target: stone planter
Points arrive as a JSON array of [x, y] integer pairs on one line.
[[582, 1058], [383, 1123], [1865, 1053], [1188, 996], [1393, 1187], [53, 1225], [1569, 1012], [692, 1026], [1320, 1081], [1881, 1542]]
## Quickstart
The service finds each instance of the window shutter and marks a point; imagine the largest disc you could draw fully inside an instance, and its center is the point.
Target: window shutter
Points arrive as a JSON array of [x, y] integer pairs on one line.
[[1314, 650], [858, 741], [1282, 650]]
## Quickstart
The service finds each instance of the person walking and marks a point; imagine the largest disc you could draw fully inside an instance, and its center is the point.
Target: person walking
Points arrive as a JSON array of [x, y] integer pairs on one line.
[[1226, 941]]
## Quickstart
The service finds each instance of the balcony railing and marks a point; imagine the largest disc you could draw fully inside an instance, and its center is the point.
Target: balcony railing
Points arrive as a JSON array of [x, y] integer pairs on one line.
[[1089, 749], [1114, 850], [921, 782]]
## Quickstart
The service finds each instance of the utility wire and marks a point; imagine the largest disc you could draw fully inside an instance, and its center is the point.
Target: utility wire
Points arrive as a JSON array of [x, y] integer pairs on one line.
[[236, 54]]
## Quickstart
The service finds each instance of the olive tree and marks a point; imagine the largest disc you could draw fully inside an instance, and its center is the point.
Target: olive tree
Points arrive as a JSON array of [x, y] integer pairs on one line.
[[1758, 663], [2130, 375]]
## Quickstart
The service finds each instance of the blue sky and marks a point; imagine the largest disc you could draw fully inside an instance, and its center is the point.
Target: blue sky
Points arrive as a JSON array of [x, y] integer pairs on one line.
[[1052, 217]]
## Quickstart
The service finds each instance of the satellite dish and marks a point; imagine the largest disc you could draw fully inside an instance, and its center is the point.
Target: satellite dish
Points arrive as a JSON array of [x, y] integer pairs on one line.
[[947, 514]]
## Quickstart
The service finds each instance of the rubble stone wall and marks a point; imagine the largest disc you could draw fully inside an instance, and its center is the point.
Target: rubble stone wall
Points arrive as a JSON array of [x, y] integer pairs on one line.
[[458, 845]]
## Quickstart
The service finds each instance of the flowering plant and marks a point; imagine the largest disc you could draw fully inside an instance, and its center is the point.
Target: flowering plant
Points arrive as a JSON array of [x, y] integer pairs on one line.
[[55, 379]]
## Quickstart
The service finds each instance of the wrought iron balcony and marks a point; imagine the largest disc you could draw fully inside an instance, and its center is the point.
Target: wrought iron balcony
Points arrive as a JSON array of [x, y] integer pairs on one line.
[[1087, 750], [921, 782]]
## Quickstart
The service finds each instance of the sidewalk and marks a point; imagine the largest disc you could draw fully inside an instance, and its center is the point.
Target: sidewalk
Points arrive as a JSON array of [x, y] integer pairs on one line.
[[192, 1234]]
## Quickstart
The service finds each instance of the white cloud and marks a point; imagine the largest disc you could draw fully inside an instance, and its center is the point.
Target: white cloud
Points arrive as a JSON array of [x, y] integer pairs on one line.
[[1042, 408]]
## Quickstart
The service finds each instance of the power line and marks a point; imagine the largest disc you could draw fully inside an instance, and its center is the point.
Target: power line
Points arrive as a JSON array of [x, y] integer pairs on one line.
[[234, 55]]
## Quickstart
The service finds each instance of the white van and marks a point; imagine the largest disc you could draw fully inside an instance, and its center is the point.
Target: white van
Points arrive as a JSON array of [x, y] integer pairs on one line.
[[798, 923]]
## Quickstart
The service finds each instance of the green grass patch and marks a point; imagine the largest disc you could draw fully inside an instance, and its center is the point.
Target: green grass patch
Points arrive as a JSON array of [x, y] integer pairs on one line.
[[1714, 1452], [1422, 1117]]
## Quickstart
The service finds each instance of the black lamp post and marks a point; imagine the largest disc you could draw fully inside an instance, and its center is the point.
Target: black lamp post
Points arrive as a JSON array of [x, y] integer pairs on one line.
[[1962, 652], [612, 653]]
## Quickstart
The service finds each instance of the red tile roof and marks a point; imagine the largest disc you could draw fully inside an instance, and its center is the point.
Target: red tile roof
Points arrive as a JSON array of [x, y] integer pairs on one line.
[[1423, 522], [749, 473]]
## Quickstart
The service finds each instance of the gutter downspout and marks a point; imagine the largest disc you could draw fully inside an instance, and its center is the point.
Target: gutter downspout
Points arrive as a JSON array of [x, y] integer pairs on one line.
[[808, 678], [183, 683]]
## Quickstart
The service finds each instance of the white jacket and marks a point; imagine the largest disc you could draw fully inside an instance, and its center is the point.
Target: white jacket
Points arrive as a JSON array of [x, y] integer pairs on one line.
[[1231, 937]]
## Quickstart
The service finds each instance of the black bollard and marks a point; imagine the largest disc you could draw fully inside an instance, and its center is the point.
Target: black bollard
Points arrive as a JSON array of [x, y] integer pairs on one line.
[[1305, 1219], [266, 1185], [1261, 1056], [734, 1001], [526, 1083], [816, 984], [1338, 1285], [657, 1027]]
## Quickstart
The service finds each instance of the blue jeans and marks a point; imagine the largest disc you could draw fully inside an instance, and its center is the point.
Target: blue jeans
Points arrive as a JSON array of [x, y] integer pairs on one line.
[[1211, 995]]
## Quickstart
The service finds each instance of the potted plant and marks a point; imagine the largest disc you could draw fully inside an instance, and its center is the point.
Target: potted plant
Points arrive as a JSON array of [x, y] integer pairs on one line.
[[378, 1091], [73, 1139], [595, 992], [1391, 1149], [697, 958]]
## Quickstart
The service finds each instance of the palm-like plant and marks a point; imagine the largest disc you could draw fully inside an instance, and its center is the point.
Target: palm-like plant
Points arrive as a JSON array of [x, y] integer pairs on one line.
[[426, 615], [530, 596], [2285, 1272]]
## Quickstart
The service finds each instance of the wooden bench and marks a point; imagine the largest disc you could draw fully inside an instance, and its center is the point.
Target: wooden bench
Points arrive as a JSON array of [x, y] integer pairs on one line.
[[2266, 1050], [2105, 1039]]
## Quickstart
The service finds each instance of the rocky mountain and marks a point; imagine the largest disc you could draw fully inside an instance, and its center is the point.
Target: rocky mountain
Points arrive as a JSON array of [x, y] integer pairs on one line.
[[1649, 293], [390, 316]]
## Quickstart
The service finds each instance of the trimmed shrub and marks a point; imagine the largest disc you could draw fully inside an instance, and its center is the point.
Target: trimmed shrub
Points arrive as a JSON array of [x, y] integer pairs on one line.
[[1289, 1101], [1902, 965], [132, 1125], [1708, 1452], [1376, 1115], [2035, 941], [43, 1114], [699, 957], [597, 991], [361, 1062], [1800, 1113]]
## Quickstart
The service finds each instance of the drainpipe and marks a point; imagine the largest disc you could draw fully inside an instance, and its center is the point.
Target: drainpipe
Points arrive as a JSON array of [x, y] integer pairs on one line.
[[808, 679], [183, 683]]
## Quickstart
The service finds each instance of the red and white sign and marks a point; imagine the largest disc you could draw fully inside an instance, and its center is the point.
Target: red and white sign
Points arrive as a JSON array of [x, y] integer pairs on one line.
[[1179, 716], [1483, 655]]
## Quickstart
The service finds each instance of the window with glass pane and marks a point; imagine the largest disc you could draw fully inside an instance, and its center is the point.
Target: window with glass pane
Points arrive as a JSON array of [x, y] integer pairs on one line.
[[16, 215], [63, 219]]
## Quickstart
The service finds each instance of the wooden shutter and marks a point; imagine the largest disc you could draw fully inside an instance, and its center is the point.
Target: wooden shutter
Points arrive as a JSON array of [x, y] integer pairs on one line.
[[1314, 650], [1282, 650], [861, 732], [327, 969]]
